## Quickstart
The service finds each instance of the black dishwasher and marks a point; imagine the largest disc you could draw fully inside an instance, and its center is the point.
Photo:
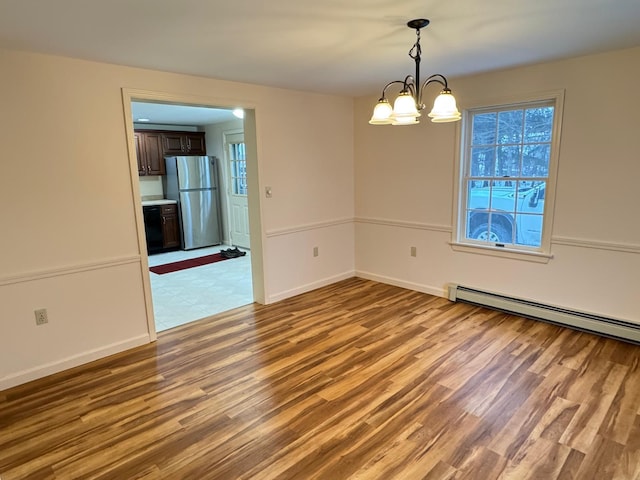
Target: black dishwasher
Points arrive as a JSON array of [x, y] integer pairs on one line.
[[153, 228]]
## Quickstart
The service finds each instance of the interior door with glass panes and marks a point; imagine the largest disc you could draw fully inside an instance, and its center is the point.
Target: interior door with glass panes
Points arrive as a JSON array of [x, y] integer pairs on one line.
[[238, 205]]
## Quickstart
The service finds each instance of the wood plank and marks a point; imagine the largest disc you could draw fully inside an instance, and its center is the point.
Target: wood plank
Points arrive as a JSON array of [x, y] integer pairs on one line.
[[356, 380]]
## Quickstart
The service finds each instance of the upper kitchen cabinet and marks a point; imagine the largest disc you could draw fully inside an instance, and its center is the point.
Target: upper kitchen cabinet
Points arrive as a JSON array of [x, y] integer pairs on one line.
[[149, 153], [195, 143], [153, 145], [184, 143]]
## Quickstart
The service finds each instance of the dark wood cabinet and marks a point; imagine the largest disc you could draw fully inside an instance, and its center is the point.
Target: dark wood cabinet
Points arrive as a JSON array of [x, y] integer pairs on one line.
[[195, 143], [170, 227], [161, 227], [153, 145], [149, 153], [173, 143], [140, 153], [184, 143]]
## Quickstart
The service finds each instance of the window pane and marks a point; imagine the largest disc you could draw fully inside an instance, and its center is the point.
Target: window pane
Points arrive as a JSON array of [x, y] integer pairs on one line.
[[237, 151], [492, 228], [500, 228], [503, 195], [529, 229], [508, 163], [531, 197], [538, 124], [238, 169], [482, 162], [510, 126], [478, 194], [484, 129], [535, 160]]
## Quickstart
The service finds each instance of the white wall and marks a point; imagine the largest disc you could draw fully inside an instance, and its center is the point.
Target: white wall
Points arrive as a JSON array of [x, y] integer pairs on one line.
[[405, 179], [70, 242], [68, 203], [151, 187]]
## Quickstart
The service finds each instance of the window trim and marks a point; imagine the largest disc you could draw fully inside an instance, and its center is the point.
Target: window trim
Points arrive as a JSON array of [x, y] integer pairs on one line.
[[458, 243]]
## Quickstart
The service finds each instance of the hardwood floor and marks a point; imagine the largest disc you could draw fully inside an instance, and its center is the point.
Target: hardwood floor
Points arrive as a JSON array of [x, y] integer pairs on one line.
[[357, 380]]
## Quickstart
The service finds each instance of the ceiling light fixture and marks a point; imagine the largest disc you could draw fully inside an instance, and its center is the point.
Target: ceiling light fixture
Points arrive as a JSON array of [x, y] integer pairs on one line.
[[407, 106], [238, 113], [143, 120]]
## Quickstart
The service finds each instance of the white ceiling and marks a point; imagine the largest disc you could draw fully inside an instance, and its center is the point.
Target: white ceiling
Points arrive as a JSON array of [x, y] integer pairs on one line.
[[164, 114], [350, 47]]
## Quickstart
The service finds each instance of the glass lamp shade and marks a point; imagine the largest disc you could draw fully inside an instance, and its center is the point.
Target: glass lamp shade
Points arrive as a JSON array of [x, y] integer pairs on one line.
[[405, 111], [444, 108], [405, 121], [381, 113], [405, 106]]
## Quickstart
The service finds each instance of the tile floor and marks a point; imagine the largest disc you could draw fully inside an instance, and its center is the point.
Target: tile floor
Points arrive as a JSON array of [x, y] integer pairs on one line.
[[199, 292]]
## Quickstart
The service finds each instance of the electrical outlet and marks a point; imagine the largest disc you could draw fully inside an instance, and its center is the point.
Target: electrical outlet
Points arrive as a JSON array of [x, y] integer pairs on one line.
[[413, 251], [41, 316], [315, 251]]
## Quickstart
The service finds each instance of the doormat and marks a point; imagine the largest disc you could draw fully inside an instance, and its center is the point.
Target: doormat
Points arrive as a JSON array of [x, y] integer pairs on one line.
[[184, 264]]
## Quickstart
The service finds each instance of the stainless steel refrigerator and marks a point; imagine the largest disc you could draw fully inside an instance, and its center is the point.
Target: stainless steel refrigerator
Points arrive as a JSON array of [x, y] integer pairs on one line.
[[193, 182]]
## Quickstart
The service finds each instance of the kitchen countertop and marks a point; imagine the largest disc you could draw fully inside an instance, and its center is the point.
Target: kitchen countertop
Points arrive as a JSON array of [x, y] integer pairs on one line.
[[148, 203]]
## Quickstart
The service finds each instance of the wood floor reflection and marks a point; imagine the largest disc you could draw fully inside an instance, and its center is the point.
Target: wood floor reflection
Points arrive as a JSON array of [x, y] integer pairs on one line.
[[354, 380]]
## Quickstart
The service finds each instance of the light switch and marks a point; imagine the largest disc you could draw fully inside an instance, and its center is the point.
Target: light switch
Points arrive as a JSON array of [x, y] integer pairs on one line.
[[267, 192]]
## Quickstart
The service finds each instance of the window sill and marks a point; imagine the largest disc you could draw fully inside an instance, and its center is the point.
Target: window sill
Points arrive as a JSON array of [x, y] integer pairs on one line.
[[537, 257]]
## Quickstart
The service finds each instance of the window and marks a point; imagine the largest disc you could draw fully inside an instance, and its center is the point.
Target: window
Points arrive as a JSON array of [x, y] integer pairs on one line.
[[238, 164], [507, 175]]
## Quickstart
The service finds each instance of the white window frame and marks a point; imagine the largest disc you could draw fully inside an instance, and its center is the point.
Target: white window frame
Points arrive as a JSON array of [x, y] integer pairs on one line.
[[459, 242]]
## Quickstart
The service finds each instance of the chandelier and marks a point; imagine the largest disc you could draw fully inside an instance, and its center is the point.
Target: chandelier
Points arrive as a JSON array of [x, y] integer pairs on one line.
[[407, 106]]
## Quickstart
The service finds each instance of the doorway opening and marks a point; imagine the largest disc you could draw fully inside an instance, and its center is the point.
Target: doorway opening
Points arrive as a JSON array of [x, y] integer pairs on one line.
[[194, 293]]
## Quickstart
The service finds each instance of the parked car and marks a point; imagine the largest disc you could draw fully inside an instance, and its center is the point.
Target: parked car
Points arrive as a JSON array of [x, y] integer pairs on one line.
[[502, 215]]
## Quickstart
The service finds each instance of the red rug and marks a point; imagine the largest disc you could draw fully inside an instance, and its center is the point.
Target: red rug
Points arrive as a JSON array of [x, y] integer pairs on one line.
[[184, 264]]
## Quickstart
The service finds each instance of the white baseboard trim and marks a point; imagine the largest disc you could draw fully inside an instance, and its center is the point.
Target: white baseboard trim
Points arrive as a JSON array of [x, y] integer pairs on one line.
[[418, 287], [309, 286], [41, 371]]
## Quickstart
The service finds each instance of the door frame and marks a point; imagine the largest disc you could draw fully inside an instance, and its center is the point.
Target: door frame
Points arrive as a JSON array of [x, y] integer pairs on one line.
[[257, 236]]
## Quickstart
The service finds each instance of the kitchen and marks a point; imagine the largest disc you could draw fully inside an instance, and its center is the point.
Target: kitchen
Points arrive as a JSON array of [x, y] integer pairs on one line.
[[191, 182]]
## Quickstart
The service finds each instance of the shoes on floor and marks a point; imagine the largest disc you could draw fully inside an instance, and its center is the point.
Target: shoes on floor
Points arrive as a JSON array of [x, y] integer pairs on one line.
[[232, 253]]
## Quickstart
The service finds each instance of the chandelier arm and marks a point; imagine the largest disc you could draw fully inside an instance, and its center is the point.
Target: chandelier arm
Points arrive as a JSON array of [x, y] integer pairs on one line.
[[435, 78], [409, 82], [384, 90]]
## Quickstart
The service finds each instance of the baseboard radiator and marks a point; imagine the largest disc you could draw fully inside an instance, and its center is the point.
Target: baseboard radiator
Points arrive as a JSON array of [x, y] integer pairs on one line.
[[608, 327]]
